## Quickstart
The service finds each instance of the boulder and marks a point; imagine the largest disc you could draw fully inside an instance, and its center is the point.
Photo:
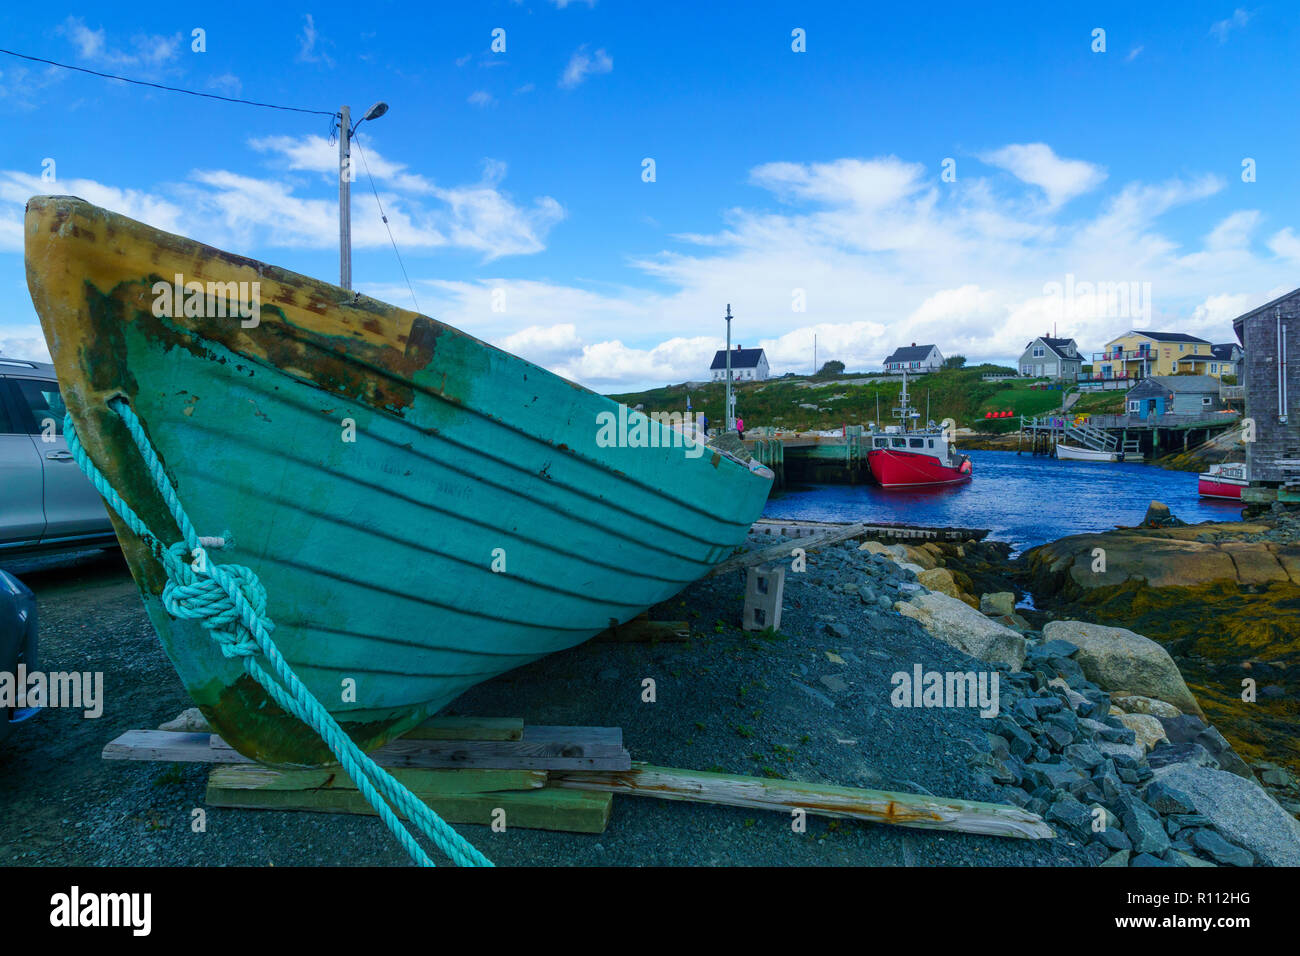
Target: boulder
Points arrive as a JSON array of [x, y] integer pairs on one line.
[[1147, 730], [998, 603], [1163, 756], [922, 557], [1142, 825], [1114, 657], [941, 580], [1137, 704], [1159, 516], [1241, 811], [874, 547], [1190, 729], [1220, 850], [1255, 564], [961, 626]]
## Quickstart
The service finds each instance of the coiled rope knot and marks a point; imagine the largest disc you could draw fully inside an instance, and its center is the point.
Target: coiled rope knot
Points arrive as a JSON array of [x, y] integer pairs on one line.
[[210, 600]]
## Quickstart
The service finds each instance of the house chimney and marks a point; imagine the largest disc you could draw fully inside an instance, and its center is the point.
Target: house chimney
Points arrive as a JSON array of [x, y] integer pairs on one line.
[[913, 345], [737, 346]]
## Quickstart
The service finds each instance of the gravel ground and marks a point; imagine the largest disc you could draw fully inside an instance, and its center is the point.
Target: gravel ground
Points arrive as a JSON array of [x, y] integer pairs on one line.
[[727, 700]]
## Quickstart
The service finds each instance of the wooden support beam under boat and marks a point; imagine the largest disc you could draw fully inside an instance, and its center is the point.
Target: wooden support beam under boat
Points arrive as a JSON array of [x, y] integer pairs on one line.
[[850, 803], [422, 782], [545, 808], [468, 728], [540, 748]]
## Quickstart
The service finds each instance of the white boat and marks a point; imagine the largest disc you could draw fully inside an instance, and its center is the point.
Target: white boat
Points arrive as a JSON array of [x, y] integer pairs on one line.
[[1076, 453], [1223, 481]]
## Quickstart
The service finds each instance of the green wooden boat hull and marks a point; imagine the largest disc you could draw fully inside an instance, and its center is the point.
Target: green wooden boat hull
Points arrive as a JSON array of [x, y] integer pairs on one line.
[[479, 520]]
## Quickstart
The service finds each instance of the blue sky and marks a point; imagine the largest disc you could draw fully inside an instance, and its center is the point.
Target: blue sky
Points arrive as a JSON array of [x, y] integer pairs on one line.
[[781, 177]]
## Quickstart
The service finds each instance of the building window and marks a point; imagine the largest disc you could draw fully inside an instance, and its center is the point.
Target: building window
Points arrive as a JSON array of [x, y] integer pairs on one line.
[[1206, 402], [1214, 367], [1038, 351], [1133, 406]]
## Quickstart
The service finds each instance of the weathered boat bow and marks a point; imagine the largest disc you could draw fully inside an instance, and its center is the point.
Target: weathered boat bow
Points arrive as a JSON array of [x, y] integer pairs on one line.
[[424, 510]]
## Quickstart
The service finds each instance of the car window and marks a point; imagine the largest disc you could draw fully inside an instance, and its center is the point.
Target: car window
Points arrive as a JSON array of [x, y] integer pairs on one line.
[[44, 400], [6, 420]]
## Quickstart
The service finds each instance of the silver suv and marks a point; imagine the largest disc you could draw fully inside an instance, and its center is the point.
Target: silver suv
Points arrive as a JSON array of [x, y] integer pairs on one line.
[[46, 503]]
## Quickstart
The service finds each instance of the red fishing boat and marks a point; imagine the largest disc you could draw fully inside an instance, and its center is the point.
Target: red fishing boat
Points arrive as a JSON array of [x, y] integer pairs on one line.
[[1223, 481], [905, 457]]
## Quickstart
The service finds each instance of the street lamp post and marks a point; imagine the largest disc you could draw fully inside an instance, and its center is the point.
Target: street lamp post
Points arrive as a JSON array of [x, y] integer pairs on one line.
[[346, 129], [730, 411]]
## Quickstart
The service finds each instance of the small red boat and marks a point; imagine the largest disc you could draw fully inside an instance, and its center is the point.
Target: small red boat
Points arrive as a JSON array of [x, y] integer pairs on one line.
[[920, 458], [1223, 481]]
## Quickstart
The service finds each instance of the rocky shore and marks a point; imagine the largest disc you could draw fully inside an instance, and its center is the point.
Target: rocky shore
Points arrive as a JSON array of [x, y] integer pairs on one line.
[[1223, 598], [1098, 731]]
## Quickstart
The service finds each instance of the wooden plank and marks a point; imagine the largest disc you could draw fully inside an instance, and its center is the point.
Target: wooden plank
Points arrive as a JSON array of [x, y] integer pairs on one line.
[[421, 782], [876, 806], [781, 552], [542, 748], [468, 728], [542, 809], [167, 745]]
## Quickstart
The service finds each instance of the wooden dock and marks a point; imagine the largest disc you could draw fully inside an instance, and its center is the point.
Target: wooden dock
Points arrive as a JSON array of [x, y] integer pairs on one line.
[[818, 459], [1147, 437]]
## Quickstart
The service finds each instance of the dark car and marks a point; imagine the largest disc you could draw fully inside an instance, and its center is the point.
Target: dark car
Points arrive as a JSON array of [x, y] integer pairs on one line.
[[17, 643]]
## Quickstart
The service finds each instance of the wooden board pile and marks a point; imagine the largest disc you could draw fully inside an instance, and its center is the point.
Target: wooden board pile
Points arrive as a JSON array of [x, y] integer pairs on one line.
[[471, 769]]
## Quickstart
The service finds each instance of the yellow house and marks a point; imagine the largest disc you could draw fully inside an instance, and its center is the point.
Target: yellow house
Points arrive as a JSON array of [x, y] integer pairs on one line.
[[1139, 354]]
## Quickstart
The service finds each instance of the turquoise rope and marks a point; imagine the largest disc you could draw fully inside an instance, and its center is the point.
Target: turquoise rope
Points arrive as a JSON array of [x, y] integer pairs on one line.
[[231, 603]]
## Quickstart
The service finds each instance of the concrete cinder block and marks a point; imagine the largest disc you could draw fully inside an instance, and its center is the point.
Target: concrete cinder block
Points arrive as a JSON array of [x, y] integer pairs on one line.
[[764, 591]]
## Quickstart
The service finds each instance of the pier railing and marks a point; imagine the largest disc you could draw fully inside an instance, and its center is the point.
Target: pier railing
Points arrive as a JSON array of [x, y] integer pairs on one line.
[[1232, 393], [1164, 421]]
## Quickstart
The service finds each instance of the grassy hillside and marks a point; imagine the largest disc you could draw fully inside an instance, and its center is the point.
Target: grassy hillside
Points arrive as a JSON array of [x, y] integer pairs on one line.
[[808, 403]]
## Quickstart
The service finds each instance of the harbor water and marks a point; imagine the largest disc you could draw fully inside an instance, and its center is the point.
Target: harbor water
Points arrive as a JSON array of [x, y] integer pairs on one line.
[[1023, 499]]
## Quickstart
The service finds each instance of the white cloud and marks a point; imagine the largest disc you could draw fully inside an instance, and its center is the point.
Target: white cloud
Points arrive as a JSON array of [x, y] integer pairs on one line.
[[308, 51], [481, 98], [21, 86], [1286, 244], [226, 84], [1221, 28], [147, 50], [1036, 164], [582, 64], [875, 251]]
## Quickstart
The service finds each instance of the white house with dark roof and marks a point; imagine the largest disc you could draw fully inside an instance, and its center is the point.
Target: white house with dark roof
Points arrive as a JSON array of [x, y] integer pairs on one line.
[[915, 358], [747, 365], [1048, 357]]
